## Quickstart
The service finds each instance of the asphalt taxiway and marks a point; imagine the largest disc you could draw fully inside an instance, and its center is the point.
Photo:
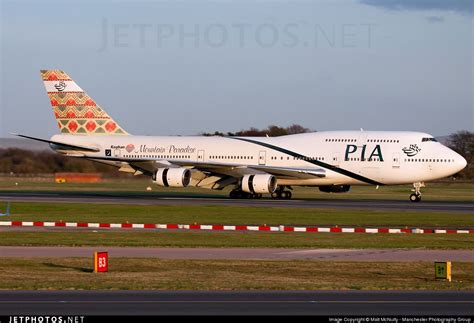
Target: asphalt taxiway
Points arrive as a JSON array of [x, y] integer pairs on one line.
[[143, 199], [236, 303], [246, 253]]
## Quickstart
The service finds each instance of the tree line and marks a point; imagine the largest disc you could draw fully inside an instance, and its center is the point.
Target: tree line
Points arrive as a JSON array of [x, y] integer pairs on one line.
[[270, 131], [18, 161], [462, 142]]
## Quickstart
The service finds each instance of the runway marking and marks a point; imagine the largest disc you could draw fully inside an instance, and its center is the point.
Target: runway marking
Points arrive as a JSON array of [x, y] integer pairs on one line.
[[244, 227], [373, 204]]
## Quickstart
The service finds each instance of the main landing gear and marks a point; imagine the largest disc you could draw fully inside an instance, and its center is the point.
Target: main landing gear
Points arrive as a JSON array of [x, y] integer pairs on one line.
[[416, 196], [239, 194], [280, 193]]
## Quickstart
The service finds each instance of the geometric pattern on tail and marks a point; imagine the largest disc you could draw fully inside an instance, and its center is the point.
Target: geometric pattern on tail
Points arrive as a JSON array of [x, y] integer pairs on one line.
[[75, 111]]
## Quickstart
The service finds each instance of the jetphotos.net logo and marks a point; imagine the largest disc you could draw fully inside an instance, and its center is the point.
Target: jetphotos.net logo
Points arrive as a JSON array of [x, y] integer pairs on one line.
[[116, 35], [46, 319]]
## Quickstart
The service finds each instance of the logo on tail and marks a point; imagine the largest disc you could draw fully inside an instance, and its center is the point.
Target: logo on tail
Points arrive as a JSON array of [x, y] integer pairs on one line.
[[60, 86]]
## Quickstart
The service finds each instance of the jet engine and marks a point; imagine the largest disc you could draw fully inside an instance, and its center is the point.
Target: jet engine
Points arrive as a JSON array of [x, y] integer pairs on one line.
[[335, 188], [173, 177], [260, 183]]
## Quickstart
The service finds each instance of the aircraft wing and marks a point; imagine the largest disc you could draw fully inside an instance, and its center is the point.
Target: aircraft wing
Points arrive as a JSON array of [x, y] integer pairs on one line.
[[216, 169], [236, 170], [289, 172]]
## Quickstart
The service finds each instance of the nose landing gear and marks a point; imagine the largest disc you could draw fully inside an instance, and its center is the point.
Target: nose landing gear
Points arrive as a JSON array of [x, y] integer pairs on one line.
[[416, 196]]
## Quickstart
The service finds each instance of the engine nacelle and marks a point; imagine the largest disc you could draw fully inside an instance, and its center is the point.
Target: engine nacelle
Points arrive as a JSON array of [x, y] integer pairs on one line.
[[260, 183], [335, 188], [173, 177]]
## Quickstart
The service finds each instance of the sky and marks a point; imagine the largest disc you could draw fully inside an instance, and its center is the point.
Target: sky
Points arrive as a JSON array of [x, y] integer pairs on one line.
[[188, 67]]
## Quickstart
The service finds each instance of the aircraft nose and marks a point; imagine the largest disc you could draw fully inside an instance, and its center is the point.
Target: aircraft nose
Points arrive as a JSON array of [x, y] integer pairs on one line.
[[460, 162]]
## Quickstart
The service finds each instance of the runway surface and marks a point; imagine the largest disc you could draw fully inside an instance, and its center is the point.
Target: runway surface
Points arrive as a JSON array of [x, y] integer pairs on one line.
[[247, 253], [440, 206], [236, 303]]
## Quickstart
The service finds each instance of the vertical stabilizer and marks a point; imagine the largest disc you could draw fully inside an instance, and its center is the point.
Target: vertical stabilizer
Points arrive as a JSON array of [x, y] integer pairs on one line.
[[75, 111]]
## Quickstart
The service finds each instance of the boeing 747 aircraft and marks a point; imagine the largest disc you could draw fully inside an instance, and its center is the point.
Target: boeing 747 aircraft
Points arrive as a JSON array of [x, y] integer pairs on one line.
[[252, 166]]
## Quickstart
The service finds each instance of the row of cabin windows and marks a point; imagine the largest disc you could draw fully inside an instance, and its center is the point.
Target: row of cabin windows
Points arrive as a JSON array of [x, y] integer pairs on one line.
[[369, 140], [159, 156], [383, 140], [412, 160], [341, 140], [297, 158], [231, 157], [422, 160], [358, 159], [308, 158]]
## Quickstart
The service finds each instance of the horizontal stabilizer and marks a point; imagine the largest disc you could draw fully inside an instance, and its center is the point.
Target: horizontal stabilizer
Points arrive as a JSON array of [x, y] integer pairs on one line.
[[60, 144]]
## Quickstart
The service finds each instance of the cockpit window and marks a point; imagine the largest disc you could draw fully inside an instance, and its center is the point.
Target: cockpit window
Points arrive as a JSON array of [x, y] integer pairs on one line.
[[429, 139]]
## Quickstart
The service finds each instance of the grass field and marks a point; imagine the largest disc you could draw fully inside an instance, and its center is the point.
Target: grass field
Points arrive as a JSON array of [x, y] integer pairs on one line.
[[235, 239], [139, 274], [447, 190], [75, 273], [68, 212], [232, 215], [104, 213]]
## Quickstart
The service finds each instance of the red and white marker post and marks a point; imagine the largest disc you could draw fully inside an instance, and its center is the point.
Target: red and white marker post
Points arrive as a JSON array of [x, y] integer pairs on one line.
[[101, 262]]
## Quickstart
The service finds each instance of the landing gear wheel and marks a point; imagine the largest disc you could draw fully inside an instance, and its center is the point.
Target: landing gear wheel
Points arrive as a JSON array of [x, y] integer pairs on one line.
[[276, 195], [280, 193], [286, 195], [416, 196], [239, 194], [235, 194]]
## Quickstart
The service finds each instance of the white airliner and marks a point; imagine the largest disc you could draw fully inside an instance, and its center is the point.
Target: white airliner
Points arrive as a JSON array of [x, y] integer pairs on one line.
[[252, 166]]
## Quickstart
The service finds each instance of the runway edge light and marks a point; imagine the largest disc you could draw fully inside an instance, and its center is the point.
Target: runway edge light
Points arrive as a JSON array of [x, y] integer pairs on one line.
[[101, 261], [443, 270]]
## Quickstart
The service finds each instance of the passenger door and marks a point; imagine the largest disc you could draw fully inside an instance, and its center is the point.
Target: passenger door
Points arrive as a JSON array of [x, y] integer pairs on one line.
[[336, 159], [262, 157], [396, 160], [200, 156]]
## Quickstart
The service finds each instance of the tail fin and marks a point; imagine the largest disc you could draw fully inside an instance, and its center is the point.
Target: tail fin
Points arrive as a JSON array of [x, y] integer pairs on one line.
[[75, 111]]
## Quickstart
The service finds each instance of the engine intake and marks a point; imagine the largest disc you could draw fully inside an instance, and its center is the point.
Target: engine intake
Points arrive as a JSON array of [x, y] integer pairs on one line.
[[260, 183], [335, 188], [173, 177]]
